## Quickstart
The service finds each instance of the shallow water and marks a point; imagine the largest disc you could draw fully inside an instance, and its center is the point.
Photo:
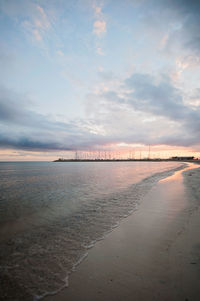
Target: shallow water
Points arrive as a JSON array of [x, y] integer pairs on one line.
[[51, 213]]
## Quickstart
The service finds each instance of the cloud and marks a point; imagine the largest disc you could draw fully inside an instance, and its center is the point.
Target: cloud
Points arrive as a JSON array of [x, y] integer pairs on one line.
[[181, 18], [100, 51], [38, 23], [149, 110], [97, 8], [141, 108], [163, 41], [160, 98], [99, 27], [189, 12], [23, 128], [168, 27], [60, 53], [41, 20], [31, 16], [194, 99], [37, 35]]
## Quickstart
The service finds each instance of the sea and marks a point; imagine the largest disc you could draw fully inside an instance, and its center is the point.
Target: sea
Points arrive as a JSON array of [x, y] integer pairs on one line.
[[52, 213]]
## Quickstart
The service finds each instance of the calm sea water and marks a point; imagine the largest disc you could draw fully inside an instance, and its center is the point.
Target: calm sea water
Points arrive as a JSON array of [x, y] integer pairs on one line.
[[51, 213]]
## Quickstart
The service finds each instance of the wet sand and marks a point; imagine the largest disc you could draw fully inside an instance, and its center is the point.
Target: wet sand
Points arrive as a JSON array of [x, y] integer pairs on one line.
[[154, 254]]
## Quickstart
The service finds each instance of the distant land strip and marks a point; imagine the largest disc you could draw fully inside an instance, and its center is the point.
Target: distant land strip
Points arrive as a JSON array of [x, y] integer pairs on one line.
[[188, 159]]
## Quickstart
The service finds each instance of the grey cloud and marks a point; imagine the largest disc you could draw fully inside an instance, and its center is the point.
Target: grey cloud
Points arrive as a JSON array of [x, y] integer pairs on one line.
[[23, 128], [161, 100], [158, 98], [187, 12], [107, 75], [179, 19], [111, 95]]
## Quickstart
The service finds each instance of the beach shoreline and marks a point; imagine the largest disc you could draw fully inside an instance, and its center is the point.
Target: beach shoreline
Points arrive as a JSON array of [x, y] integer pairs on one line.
[[152, 255]]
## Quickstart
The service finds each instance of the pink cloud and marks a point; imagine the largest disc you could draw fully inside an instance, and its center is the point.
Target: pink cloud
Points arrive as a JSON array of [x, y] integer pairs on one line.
[[99, 27], [37, 35]]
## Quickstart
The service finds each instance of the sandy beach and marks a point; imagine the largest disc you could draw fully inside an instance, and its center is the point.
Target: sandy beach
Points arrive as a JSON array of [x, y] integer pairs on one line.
[[154, 254]]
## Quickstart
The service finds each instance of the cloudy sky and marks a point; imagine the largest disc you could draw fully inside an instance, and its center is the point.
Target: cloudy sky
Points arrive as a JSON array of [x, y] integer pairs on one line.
[[98, 75]]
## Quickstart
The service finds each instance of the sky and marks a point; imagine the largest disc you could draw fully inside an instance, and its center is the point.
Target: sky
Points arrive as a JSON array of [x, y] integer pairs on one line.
[[86, 76]]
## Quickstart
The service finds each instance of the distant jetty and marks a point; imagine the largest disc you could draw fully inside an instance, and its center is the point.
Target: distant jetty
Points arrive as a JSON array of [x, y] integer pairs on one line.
[[189, 159]]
